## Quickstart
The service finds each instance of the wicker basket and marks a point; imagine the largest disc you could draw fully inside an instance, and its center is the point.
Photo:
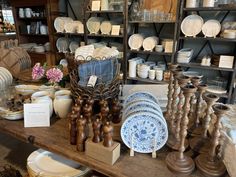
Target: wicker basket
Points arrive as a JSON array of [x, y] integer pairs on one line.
[[100, 91]]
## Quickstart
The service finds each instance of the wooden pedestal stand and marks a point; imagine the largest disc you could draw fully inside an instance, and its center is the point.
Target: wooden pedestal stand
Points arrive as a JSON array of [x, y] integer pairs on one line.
[[177, 162], [170, 92], [192, 114], [201, 143], [171, 139], [209, 164], [182, 80]]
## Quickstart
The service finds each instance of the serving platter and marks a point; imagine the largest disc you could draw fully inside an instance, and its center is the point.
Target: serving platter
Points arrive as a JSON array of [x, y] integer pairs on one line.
[[211, 28], [150, 43], [144, 132], [135, 41], [106, 27], [192, 25]]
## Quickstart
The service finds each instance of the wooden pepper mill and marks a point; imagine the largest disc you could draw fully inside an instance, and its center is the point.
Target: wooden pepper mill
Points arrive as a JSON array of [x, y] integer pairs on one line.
[[79, 100], [201, 143], [97, 130], [104, 110], [116, 109], [182, 80], [77, 109], [81, 135], [87, 112], [73, 127], [209, 164], [177, 162], [170, 91], [107, 133]]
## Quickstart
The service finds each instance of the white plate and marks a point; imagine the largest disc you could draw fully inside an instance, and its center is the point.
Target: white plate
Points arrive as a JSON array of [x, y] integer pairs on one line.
[[13, 115], [93, 24], [216, 89], [192, 74], [60, 22], [150, 43], [192, 25], [211, 28], [135, 41], [72, 26], [62, 44], [144, 132], [73, 46], [106, 27], [45, 163]]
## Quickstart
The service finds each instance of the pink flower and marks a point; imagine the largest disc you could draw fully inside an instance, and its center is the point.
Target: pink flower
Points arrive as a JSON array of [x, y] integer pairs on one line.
[[54, 75], [38, 71]]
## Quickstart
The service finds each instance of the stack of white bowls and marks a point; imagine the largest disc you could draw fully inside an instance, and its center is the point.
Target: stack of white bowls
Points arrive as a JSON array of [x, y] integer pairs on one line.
[[62, 103], [144, 128], [142, 70], [229, 34], [184, 55]]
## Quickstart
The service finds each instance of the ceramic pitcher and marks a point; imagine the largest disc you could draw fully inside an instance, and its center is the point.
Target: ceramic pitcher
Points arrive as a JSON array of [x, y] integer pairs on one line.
[[133, 64], [104, 5]]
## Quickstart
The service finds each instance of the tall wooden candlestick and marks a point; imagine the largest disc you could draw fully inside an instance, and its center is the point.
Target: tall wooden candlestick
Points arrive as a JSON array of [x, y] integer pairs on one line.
[[170, 91], [182, 80], [171, 139], [73, 127], [201, 143], [209, 164], [81, 135], [177, 162], [107, 132]]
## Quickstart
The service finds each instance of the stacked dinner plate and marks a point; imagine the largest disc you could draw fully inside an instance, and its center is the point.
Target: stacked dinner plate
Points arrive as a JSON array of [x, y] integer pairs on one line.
[[184, 55], [5, 78], [42, 163], [144, 128]]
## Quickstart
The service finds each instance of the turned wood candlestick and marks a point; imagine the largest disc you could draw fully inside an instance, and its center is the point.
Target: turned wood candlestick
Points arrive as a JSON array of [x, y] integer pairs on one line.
[[77, 109], [97, 124], [88, 112], [107, 133], [182, 80], [73, 127], [195, 81], [104, 110], [201, 143], [209, 164], [79, 100], [81, 135], [195, 128], [177, 162], [170, 91], [171, 140]]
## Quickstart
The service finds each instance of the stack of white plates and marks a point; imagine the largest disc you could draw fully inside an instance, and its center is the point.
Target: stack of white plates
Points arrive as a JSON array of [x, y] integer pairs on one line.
[[229, 34], [5, 78], [42, 163], [26, 89], [144, 128], [184, 55], [12, 115], [142, 70]]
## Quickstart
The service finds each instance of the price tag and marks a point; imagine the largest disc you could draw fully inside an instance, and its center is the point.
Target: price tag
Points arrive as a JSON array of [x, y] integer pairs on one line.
[[92, 81], [95, 5]]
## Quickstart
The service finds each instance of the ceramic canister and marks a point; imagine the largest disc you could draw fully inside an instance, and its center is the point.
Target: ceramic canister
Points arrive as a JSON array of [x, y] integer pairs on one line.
[[192, 3], [209, 3], [28, 12], [132, 66]]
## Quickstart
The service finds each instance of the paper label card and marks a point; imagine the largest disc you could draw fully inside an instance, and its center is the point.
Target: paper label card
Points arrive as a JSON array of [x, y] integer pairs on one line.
[[95, 5], [92, 81], [36, 115], [226, 61], [115, 30]]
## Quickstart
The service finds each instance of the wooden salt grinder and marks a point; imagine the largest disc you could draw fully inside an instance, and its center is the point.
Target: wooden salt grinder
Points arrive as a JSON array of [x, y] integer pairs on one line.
[[87, 112], [97, 130], [116, 108], [107, 132], [104, 110], [81, 135], [73, 128]]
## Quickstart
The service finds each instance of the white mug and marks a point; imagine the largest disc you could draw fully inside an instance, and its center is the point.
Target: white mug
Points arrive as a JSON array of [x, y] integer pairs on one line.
[[43, 29], [209, 3], [28, 12], [159, 75]]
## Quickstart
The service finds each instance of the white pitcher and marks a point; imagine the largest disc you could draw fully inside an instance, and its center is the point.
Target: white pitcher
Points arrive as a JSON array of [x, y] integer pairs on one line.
[[133, 64], [104, 5], [209, 3]]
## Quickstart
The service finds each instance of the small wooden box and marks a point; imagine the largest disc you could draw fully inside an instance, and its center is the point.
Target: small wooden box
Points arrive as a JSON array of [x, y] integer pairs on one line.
[[108, 155]]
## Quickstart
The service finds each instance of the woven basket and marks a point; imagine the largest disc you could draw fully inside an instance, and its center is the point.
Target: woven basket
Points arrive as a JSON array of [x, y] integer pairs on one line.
[[100, 91]]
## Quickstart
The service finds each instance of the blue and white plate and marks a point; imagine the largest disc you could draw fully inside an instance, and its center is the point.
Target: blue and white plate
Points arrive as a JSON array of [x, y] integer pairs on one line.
[[140, 95], [139, 105], [145, 130]]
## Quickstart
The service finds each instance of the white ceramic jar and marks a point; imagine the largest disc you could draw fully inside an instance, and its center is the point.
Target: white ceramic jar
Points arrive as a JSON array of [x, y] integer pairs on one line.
[[209, 3], [133, 66], [21, 13], [192, 3], [159, 75], [28, 12]]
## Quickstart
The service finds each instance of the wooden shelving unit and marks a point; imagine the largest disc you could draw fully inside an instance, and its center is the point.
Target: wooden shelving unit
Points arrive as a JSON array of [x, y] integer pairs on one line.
[[208, 42], [149, 52], [47, 9], [146, 80]]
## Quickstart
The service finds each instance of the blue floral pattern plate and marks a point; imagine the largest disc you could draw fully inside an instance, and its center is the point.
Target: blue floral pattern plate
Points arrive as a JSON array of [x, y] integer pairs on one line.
[[144, 132], [140, 95]]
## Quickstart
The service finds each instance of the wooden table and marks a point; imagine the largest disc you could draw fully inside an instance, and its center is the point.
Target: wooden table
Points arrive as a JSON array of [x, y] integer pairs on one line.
[[55, 139]]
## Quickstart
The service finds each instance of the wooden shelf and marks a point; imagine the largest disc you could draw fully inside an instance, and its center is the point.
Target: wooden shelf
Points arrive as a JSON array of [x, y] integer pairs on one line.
[[150, 52], [105, 35], [152, 22], [208, 38], [198, 65], [56, 140], [38, 53], [45, 35], [104, 11], [210, 9], [33, 18], [147, 80]]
